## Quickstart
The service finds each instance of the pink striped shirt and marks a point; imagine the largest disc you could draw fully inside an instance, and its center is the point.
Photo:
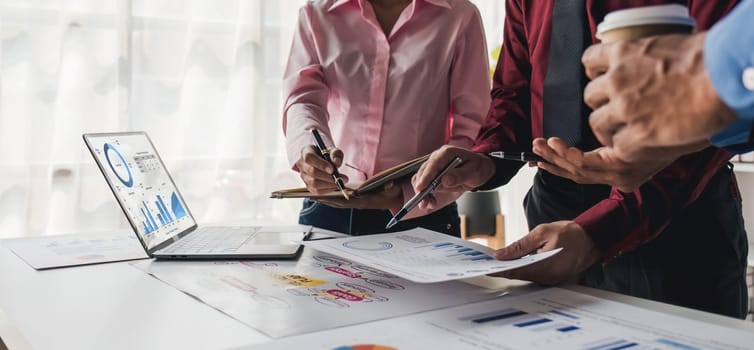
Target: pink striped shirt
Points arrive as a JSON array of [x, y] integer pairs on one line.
[[384, 99]]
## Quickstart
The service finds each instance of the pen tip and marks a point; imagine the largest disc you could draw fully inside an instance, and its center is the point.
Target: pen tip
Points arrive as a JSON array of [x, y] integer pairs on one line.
[[392, 223], [345, 194]]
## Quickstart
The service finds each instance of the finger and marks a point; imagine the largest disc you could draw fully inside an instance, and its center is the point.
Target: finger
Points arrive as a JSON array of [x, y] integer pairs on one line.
[[437, 160], [457, 179], [596, 60], [553, 156], [596, 93], [320, 187], [429, 202], [313, 159], [310, 173], [415, 178], [559, 146], [529, 243], [551, 165], [336, 155], [603, 125]]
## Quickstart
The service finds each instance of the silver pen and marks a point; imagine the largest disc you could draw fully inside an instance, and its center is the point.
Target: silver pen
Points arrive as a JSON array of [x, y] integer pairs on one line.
[[414, 201]]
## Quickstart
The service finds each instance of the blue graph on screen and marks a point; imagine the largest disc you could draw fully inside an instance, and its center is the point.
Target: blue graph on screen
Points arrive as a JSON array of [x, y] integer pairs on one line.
[[127, 181], [178, 210], [149, 224], [162, 214]]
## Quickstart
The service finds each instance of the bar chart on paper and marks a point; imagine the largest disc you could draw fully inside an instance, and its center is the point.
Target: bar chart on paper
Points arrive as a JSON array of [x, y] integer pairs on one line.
[[423, 256], [548, 319], [553, 328], [457, 252], [565, 322]]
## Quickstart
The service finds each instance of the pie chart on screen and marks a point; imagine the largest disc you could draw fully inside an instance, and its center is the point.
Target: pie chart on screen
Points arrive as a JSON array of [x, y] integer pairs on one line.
[[365, 347]]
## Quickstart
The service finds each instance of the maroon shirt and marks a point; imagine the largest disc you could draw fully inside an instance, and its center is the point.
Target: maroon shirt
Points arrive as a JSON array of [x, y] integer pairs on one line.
[[623, 221]]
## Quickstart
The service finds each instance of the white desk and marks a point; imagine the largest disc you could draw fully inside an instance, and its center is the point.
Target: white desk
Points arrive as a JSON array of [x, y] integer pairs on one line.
[[115, 306], [109, 306]]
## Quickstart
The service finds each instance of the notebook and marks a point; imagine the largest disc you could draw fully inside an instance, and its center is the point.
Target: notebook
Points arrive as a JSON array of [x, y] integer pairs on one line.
[[160, 217], [372, 184]]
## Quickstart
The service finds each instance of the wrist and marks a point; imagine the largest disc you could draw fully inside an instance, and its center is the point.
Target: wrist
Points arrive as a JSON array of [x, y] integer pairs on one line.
[[592, 252]]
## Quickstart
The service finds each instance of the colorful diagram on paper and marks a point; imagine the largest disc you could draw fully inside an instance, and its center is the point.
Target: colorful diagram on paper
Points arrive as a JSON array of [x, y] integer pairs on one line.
[[365, 347]]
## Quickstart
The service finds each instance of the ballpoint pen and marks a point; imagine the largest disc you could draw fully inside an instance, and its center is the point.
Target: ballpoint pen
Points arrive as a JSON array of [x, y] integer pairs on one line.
[[325, 153], [414, 201], [519, 156]]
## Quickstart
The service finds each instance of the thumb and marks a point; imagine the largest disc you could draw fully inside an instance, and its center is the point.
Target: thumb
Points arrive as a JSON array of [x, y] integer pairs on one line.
[[519, 248], [336, 155]]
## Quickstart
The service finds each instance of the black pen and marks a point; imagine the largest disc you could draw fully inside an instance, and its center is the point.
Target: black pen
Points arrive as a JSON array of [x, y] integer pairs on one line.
[[519, 156], [325, 153], [414, 201]]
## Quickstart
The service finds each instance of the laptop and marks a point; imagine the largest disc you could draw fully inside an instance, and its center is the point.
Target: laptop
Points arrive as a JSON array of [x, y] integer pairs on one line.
[[159, 215]]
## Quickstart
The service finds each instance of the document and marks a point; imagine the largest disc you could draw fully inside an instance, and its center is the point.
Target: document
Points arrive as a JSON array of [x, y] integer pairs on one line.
[[48, 252], [549, 319], [422, 256], [320, 291]]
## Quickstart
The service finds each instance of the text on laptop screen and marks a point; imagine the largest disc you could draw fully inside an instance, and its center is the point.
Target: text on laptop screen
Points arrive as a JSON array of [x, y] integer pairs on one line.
[[143, 186]]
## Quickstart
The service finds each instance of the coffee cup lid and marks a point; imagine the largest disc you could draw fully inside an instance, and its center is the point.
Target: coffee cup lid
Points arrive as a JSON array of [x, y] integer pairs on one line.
[[661, 14]]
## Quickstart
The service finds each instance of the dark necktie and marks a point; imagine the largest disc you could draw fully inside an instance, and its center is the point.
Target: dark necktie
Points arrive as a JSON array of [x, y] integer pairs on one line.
[[563, 103]]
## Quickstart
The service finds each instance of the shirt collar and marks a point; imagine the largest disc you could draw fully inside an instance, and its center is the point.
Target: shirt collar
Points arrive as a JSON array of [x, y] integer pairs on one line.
[[440, 3], [337, 4]]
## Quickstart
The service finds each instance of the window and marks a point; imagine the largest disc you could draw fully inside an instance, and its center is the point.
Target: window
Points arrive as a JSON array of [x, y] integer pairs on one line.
[[202, 77]]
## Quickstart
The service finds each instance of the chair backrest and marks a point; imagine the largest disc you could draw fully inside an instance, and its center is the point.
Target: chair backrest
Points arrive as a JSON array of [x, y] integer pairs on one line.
[[480, 209]]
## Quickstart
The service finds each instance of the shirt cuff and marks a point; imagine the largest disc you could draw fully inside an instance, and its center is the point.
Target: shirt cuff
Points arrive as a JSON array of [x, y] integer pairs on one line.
[[504, 171], [600, 223], [729, 60], [736, 134]]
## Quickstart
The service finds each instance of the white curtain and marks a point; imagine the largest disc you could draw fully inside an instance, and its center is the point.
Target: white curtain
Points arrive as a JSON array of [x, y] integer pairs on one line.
[[202, 77]]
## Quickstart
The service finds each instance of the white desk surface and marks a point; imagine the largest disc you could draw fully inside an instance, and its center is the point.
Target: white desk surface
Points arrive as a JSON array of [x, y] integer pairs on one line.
[[115, 306], [109, 306]]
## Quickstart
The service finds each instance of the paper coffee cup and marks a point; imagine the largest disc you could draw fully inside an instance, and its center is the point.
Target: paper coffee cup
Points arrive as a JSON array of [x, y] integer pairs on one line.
[[645, 21]]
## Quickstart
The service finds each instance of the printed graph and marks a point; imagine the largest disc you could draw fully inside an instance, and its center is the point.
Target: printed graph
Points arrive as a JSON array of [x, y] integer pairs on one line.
[[457, 252], [365, 347], [557, 327]]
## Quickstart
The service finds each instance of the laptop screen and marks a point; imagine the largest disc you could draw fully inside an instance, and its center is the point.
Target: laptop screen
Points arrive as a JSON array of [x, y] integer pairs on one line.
[[142, 185]]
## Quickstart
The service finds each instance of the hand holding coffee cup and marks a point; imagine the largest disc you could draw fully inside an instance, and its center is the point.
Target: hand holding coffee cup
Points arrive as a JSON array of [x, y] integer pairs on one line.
[[648, 87], [647, 73]]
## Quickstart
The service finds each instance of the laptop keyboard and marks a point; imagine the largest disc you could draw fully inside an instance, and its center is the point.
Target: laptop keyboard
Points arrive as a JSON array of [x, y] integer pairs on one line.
[[212, 240]]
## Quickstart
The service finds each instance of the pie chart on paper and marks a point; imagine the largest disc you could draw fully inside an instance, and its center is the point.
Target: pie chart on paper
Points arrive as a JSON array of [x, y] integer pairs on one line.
[[365, 347]]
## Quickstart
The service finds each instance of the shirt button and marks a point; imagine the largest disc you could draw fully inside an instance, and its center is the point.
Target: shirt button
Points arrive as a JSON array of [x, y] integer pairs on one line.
[[748, 78]]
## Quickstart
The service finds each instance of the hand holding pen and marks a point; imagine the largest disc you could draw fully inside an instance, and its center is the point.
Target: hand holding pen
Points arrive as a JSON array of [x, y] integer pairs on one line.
[[476, 169], [419, 196], [318, 172]]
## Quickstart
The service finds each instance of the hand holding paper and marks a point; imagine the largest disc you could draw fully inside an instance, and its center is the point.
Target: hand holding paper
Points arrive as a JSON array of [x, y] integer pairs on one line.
[[423, 256]]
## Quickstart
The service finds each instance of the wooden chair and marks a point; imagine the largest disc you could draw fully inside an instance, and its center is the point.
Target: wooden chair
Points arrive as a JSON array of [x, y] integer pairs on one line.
[[481, 218]]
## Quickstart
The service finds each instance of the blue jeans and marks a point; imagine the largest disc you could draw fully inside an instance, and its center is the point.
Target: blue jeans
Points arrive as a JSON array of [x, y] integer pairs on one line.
[[367, 221]]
